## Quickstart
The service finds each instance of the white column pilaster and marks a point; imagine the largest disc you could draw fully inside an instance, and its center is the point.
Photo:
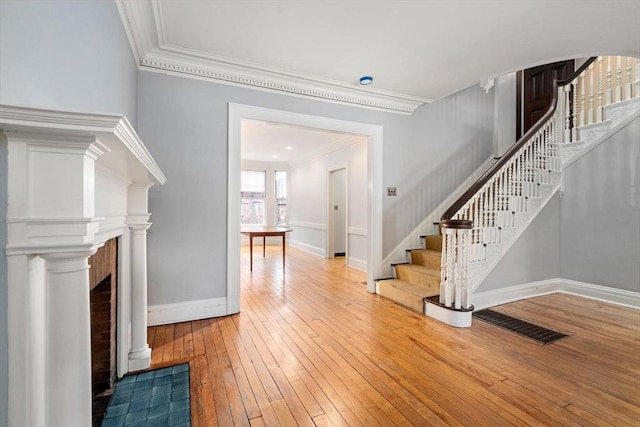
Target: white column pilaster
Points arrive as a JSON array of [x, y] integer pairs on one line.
[[140, 353], [26, 320], [68, 342]]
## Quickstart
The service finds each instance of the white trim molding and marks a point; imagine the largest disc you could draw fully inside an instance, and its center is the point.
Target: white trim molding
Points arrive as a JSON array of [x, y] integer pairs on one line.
[[315, 250], [144, 27], [311, 225], [606, 294], [164, 314]]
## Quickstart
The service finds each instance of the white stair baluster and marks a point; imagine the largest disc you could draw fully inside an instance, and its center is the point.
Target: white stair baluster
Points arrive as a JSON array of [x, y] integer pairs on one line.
[[582, 99], [629, 85], [608, 93], [592, 78], [574, 113], [600, 109], [618, 78]]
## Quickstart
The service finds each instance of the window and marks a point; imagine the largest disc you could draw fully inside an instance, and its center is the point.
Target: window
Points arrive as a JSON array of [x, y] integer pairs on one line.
[[252, 195], [281, 197]]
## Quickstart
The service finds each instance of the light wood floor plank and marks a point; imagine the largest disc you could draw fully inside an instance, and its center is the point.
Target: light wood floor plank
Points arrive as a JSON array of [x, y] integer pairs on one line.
[[312, 347]]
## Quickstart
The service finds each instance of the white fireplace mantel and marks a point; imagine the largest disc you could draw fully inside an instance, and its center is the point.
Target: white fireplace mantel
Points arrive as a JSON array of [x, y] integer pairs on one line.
[[74, 180]]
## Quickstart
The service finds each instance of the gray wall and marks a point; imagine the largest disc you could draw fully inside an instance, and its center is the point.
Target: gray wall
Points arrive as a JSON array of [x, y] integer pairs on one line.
[[534, 256], [70, 55], [184, 124], [431, 154], [601, 214]]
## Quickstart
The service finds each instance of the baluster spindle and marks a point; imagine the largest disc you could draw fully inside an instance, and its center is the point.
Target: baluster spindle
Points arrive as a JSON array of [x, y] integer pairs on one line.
[[583, 95], [574, 112], [637, 78], [566, 99], [618, 78], [629, 85], [592, 78], [608, 93], [600, 110], [462, 294]]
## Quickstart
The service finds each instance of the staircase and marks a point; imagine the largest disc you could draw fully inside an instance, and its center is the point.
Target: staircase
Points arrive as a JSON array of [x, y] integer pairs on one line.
[[476, 231], [417, 279]]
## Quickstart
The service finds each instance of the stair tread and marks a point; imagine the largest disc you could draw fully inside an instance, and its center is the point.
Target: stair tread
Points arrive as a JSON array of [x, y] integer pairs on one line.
[[428, 251]]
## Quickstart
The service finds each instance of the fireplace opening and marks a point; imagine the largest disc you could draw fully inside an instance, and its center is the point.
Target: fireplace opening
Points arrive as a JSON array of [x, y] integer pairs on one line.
[[103, 337], [102, 280]]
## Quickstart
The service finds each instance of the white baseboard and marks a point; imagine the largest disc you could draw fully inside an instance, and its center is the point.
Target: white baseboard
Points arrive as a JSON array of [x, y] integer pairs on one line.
[[481, 300], [357, 263], [163, 314], [307, 248], [606, 294], [602, 293]]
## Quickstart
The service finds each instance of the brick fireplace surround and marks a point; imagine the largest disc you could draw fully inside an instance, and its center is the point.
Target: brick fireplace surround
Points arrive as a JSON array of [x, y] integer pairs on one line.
[[77, 182], [102, 297]]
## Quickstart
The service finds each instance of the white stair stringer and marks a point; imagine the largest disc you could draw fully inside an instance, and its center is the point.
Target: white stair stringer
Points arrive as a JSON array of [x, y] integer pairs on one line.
[[590, 136]]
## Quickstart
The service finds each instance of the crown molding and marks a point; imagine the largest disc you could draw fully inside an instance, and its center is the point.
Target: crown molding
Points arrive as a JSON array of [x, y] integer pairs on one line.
[[144, 28]]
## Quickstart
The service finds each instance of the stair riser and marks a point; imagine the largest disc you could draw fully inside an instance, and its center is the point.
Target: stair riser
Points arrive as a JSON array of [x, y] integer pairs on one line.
[[408, 296], [433, 243], [416, 277], [426, 260]]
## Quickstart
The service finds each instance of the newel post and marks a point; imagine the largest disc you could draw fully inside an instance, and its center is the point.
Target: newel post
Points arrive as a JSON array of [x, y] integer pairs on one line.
[[456, 242]]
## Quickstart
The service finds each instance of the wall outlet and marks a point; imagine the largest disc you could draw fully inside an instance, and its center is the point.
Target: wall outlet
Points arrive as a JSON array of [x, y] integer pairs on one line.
[[391, 191]]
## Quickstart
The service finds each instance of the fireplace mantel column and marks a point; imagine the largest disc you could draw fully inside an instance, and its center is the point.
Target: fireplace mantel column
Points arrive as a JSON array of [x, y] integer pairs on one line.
[[68, 286], [140, 353], [138, 219]]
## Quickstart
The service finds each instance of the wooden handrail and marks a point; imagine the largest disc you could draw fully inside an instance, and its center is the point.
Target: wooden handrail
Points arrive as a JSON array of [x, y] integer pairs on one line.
[[446, 220]]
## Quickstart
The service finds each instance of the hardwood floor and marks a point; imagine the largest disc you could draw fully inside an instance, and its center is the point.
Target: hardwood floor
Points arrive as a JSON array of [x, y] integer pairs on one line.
[[312, 347]]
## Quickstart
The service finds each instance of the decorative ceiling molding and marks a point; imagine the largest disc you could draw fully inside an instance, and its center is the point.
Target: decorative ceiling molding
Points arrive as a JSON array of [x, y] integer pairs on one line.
[[143, 24]]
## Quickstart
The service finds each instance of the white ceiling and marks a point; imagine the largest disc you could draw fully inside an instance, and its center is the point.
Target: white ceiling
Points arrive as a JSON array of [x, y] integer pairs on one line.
[[416, 50], [263, 140]]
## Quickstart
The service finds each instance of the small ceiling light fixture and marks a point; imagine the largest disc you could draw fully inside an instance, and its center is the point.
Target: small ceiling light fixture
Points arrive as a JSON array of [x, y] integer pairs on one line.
[[275, 156], [289, 147], [366, 80]]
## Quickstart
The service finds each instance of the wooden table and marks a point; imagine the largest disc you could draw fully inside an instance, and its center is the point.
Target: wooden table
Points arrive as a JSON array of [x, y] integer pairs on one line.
[[264, 232]]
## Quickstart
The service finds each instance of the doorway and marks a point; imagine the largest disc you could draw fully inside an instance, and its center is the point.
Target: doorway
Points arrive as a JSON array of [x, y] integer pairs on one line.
[[337, 213], [535, 92], [373, 135]]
